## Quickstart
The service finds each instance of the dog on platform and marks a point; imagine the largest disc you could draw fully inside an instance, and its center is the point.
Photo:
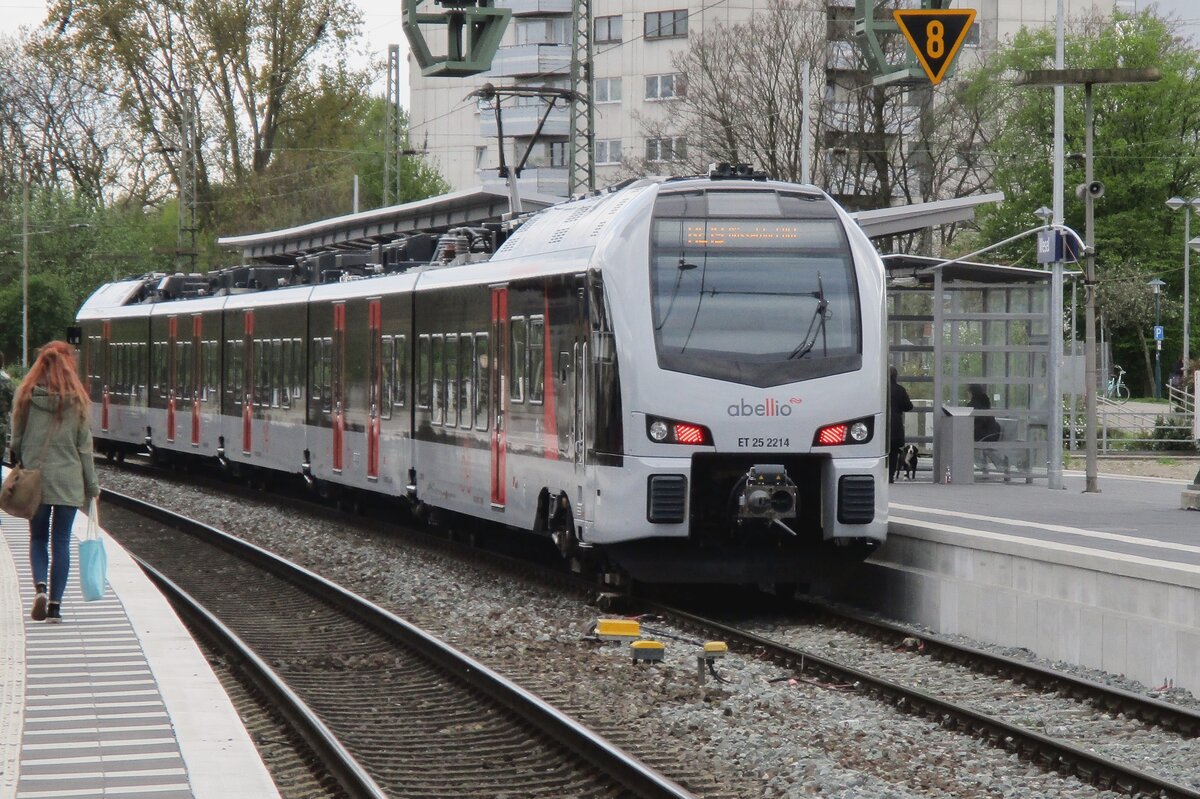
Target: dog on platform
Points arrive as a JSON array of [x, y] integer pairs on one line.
[[908, 461]]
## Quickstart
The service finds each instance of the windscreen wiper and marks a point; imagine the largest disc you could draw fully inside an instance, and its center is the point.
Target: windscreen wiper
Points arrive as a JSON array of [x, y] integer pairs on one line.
[[816, 325]]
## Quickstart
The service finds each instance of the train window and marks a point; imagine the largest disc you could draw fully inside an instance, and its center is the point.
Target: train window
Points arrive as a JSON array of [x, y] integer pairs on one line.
[[483, 385], [451, 380], [315, 368], [466, 379], [400, 373], [424, 374], [516, 358], [283, 362], [183, 370], [279, 375], [295, 370], [537, 359], [234, 370], [387, 358], [439, 380], [326, 373]]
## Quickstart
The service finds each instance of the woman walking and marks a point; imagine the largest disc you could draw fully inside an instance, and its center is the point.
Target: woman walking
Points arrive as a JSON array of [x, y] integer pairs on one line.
[[50, 432]]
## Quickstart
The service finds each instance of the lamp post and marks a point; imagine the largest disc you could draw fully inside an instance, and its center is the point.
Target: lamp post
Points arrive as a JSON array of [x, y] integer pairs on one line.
[[1089, 190], [1157, 285], [1175, 203]]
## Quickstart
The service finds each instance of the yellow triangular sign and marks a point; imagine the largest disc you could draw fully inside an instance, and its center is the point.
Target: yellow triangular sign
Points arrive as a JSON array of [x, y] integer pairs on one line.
[[935, 35]]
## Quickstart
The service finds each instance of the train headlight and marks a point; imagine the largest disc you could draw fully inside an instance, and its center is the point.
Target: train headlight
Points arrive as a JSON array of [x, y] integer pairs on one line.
[[853, 431], [670, 431]]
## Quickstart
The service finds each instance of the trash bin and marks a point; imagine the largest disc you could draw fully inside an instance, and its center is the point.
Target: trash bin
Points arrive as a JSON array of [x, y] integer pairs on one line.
[[954, 445]]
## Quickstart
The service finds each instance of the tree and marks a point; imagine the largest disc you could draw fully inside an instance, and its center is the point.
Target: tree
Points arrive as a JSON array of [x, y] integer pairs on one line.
[[874, 146], [1147, 148], [50, 313], [238, 70]]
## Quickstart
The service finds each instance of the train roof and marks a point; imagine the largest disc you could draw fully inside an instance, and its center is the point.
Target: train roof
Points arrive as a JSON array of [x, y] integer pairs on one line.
[[360, 231]]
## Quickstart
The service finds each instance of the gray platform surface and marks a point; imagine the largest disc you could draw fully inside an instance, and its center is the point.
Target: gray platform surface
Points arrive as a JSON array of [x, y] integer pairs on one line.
[[1133, 516], [116, 701]]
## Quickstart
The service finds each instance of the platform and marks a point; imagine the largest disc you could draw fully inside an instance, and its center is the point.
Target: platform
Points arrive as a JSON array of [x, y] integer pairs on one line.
[[1108, 580], [116, 701]]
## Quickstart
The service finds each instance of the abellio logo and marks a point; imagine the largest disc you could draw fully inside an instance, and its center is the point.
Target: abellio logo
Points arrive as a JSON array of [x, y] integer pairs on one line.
[[768, 407]]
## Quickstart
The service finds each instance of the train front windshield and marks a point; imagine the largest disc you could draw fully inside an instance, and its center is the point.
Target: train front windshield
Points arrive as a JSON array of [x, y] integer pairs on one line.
[[755, 287]]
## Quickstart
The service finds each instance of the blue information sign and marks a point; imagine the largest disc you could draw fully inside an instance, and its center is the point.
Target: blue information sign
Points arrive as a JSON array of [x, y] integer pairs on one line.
[[1158, 332]]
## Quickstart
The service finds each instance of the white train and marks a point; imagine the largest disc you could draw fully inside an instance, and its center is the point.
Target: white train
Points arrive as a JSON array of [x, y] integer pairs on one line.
[[682, 379]]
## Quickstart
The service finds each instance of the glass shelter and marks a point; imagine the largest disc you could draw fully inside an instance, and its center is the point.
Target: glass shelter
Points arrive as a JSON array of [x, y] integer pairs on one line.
[[971, 345]]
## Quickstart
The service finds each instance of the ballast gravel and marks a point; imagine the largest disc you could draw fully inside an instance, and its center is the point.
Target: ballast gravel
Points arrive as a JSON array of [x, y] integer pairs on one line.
[[762, 733]]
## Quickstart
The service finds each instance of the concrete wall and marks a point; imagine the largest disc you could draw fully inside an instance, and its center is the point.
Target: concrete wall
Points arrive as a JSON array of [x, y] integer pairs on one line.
[[1124, 614]]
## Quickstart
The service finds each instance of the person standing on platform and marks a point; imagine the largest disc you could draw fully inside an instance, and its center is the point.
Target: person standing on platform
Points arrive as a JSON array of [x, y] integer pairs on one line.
[[50, 432], [900, 404], [987, 428]]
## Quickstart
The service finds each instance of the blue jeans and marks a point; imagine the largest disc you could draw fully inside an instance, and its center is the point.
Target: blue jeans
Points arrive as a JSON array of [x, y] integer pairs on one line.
[[54, 529]]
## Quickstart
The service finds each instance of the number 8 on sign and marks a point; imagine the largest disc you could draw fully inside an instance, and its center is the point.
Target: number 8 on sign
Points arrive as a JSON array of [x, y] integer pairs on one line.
[[935, 33], [935, 36]]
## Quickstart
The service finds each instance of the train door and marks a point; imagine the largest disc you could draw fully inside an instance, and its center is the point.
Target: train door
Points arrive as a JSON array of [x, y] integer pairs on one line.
[[338, 386], [499, 392], [248, 378], [375, 386], [105, 372], [173, 373], [197, 378]]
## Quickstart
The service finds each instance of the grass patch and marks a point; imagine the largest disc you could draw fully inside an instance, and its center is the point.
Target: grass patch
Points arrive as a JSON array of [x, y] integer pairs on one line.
[[1167, 461]]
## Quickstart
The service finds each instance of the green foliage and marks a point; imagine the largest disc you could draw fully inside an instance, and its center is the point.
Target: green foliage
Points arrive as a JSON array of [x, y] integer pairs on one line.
[[1173, 433], [1146, 149], [50, 313]]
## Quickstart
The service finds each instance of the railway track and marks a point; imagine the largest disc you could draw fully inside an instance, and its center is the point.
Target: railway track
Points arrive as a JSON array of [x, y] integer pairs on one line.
[[1053, 752], [1048, 749], [390, 709]]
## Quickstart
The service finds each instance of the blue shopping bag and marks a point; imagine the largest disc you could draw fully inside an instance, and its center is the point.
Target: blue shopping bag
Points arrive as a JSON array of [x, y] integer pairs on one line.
[[93, 561]]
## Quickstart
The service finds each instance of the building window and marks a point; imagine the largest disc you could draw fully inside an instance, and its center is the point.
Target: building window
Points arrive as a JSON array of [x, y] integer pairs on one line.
[[608, 29], [666, 24], [480, 155], [972, 39], [606, 90], [608, 151], [544, 31], [664, 87], [670, 148], [558, 153]]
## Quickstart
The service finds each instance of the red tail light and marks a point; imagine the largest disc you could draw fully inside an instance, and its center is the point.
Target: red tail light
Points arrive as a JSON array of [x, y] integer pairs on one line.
[[689, 433], [831, 435]]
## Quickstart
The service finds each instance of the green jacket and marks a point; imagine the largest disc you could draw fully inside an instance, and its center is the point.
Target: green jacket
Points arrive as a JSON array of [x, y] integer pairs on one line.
[[68, 473]]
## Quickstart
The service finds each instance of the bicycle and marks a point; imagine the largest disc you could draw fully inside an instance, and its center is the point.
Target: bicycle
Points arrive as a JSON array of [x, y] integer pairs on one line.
[[1116, 390]]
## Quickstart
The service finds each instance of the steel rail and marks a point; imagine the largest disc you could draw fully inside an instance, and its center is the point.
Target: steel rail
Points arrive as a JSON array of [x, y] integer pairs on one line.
[[1050, 753], [1182, 720], [631, 773], [349, 773]]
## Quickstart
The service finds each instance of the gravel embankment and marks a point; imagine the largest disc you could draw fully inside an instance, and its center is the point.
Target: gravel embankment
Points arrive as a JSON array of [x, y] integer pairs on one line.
[[763, 734]]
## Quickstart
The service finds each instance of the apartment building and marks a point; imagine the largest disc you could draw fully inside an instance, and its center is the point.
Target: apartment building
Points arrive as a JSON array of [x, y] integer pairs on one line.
[[635, 85]]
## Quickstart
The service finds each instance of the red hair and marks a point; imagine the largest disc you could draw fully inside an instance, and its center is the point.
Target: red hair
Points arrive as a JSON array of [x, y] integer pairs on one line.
[[55, 370]]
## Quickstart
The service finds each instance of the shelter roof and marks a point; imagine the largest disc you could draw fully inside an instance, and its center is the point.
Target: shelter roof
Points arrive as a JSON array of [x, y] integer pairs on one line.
[[921, 269]]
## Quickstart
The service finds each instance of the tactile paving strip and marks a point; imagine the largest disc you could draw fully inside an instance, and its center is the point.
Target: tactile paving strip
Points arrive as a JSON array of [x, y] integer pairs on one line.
[[94, 720]]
